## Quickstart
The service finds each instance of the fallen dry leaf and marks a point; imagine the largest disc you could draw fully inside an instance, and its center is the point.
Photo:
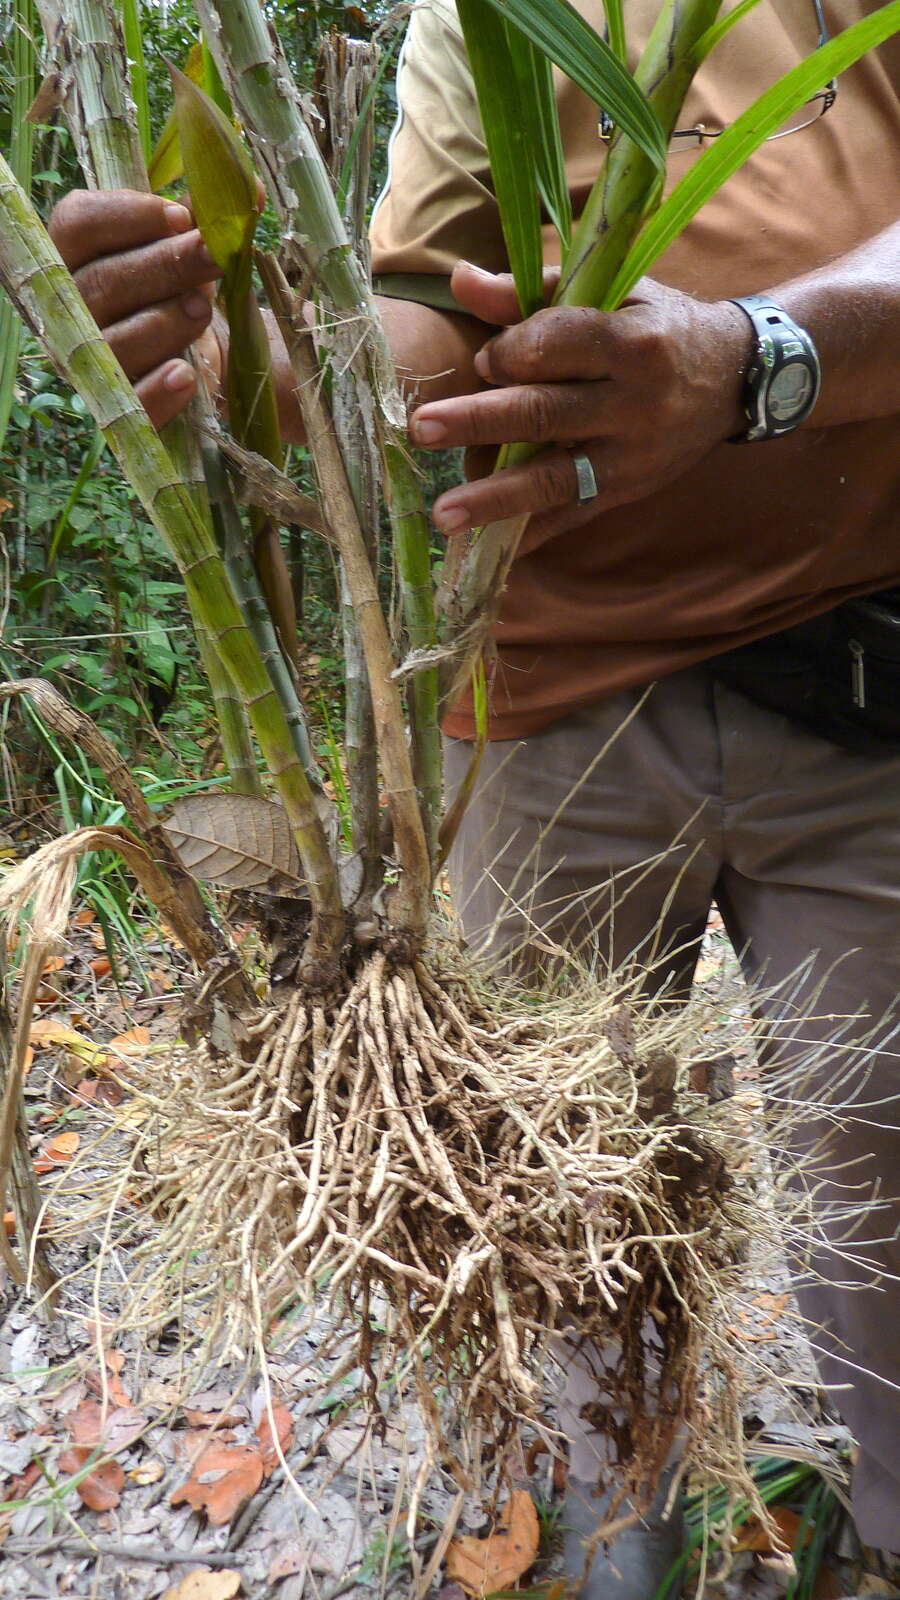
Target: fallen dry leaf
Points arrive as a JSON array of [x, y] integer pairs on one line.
[[47, 1031], [289, 1559], [100, 966], [223, 1479], [284, 1427], [499, 1561], [753, 1536], [148, 1472], [58, 1151], [9, 1223], [204, 1584], [131, 1043], [100, 1488]]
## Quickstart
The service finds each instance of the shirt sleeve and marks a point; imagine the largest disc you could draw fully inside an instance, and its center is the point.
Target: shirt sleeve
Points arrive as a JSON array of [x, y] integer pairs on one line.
[[437, 206]]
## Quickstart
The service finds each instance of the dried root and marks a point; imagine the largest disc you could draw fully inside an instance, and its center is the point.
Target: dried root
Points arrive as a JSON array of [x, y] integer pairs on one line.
[[454, 1180]]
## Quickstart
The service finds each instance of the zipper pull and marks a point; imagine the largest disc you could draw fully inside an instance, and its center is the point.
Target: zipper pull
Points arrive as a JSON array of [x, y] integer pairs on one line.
[[857, 675]]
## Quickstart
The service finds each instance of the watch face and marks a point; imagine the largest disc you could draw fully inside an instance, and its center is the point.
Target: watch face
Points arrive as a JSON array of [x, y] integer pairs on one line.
[[789, 391]]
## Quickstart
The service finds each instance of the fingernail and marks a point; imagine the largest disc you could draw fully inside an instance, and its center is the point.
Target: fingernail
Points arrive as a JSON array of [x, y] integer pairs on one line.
[[179, 376], [428, 430], [196, 305], [473, 267], [451, 519], [482, 365], [178, 218], [207, 259]]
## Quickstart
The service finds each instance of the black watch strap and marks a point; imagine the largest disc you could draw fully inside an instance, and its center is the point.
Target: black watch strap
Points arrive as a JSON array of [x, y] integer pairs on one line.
[[784, 376]]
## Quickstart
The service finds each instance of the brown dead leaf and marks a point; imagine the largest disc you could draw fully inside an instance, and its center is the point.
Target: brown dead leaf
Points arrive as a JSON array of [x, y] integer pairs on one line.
[[18, 1487], [223, 1479], [499, 1561], [48, 1031], [147, 1472], [116, 1391], [284, 1429], [749, 1336], [289, 1559], [100, 1489], [101, 966], [9, 1223], [204, 1584], [84, 917]]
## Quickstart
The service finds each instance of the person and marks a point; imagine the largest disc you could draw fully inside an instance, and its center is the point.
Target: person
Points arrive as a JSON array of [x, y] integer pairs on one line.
[[628, 781]]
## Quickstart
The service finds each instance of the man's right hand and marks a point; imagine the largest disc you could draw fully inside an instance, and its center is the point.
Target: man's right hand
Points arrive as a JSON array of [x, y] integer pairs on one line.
[[147, 279]]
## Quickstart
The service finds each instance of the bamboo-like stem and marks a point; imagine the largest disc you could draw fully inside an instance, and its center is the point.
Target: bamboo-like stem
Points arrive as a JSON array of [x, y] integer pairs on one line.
[[410, 900], [345, 69], [20, 159], [261, 86], [23, 1183], [86, 38], [625, 193], [246, 584], [36, 280]]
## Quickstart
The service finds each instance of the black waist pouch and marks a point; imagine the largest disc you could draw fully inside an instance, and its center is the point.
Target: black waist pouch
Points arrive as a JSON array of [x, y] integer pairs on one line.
[[838, 674]]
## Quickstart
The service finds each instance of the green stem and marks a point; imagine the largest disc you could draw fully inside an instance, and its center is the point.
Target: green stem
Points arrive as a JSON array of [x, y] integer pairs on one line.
[[314, 236], [20, 157]]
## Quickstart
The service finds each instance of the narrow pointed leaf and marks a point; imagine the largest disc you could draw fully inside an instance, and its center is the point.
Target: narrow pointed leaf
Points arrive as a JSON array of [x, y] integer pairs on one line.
[[505, 121], [538, 96], [615, 27], [752, 127], [721, 26], [556, 28], [219, 175]]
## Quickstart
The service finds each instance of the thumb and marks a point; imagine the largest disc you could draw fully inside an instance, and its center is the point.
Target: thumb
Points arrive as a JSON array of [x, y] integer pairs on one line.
[[491, 296]]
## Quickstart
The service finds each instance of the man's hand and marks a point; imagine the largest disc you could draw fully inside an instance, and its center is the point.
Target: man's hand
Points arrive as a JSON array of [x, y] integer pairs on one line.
[[147, 279], [643, 392]]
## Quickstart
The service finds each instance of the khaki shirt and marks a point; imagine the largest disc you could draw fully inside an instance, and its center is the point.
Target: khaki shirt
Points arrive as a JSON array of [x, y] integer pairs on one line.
[[754, 537]]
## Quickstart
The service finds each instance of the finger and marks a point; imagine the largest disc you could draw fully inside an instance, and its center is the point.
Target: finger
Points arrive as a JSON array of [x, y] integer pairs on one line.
[[532, 414], [166, 391], [146, 339], [491, 296], [115, 287], [540, 485], [560, 343], [115, 219]]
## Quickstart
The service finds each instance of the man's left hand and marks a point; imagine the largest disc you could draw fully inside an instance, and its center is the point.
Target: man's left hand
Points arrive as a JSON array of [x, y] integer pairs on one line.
[[644, 392]]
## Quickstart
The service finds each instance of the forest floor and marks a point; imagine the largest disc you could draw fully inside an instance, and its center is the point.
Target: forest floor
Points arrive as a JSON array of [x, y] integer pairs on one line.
[[193, 1501]]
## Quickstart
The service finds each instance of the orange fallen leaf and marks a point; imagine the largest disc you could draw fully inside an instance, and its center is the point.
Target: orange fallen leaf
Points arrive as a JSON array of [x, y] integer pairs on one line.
[[482, 1565], [9, 1223], [284, 1429], [100, 1489], [63, 1147], [223, 1479], [84, 917], [100, 966], [47, 1031], [753, 1536], [131, 1043], [204, 1584]]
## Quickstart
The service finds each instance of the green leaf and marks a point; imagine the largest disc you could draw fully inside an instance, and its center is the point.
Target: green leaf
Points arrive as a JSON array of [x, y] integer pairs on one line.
[[731, 149], [723, 25], [220, 178], [615, 25], [166, 165], [508, 137], [558, 31], [134, 45], [536, 91]]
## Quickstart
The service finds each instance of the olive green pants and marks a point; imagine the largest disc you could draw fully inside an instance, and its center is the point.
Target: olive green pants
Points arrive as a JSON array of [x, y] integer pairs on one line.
[[613, 830]]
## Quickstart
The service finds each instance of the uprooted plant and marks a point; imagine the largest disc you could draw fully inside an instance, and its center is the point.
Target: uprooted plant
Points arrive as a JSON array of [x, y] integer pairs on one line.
[[461, 1169]]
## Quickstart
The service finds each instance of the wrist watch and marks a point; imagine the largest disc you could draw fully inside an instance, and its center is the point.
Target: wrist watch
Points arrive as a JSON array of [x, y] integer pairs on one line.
[[783, 379]]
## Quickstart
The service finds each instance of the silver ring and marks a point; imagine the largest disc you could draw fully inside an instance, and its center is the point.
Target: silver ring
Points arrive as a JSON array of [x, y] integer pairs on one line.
[[587, 483]]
